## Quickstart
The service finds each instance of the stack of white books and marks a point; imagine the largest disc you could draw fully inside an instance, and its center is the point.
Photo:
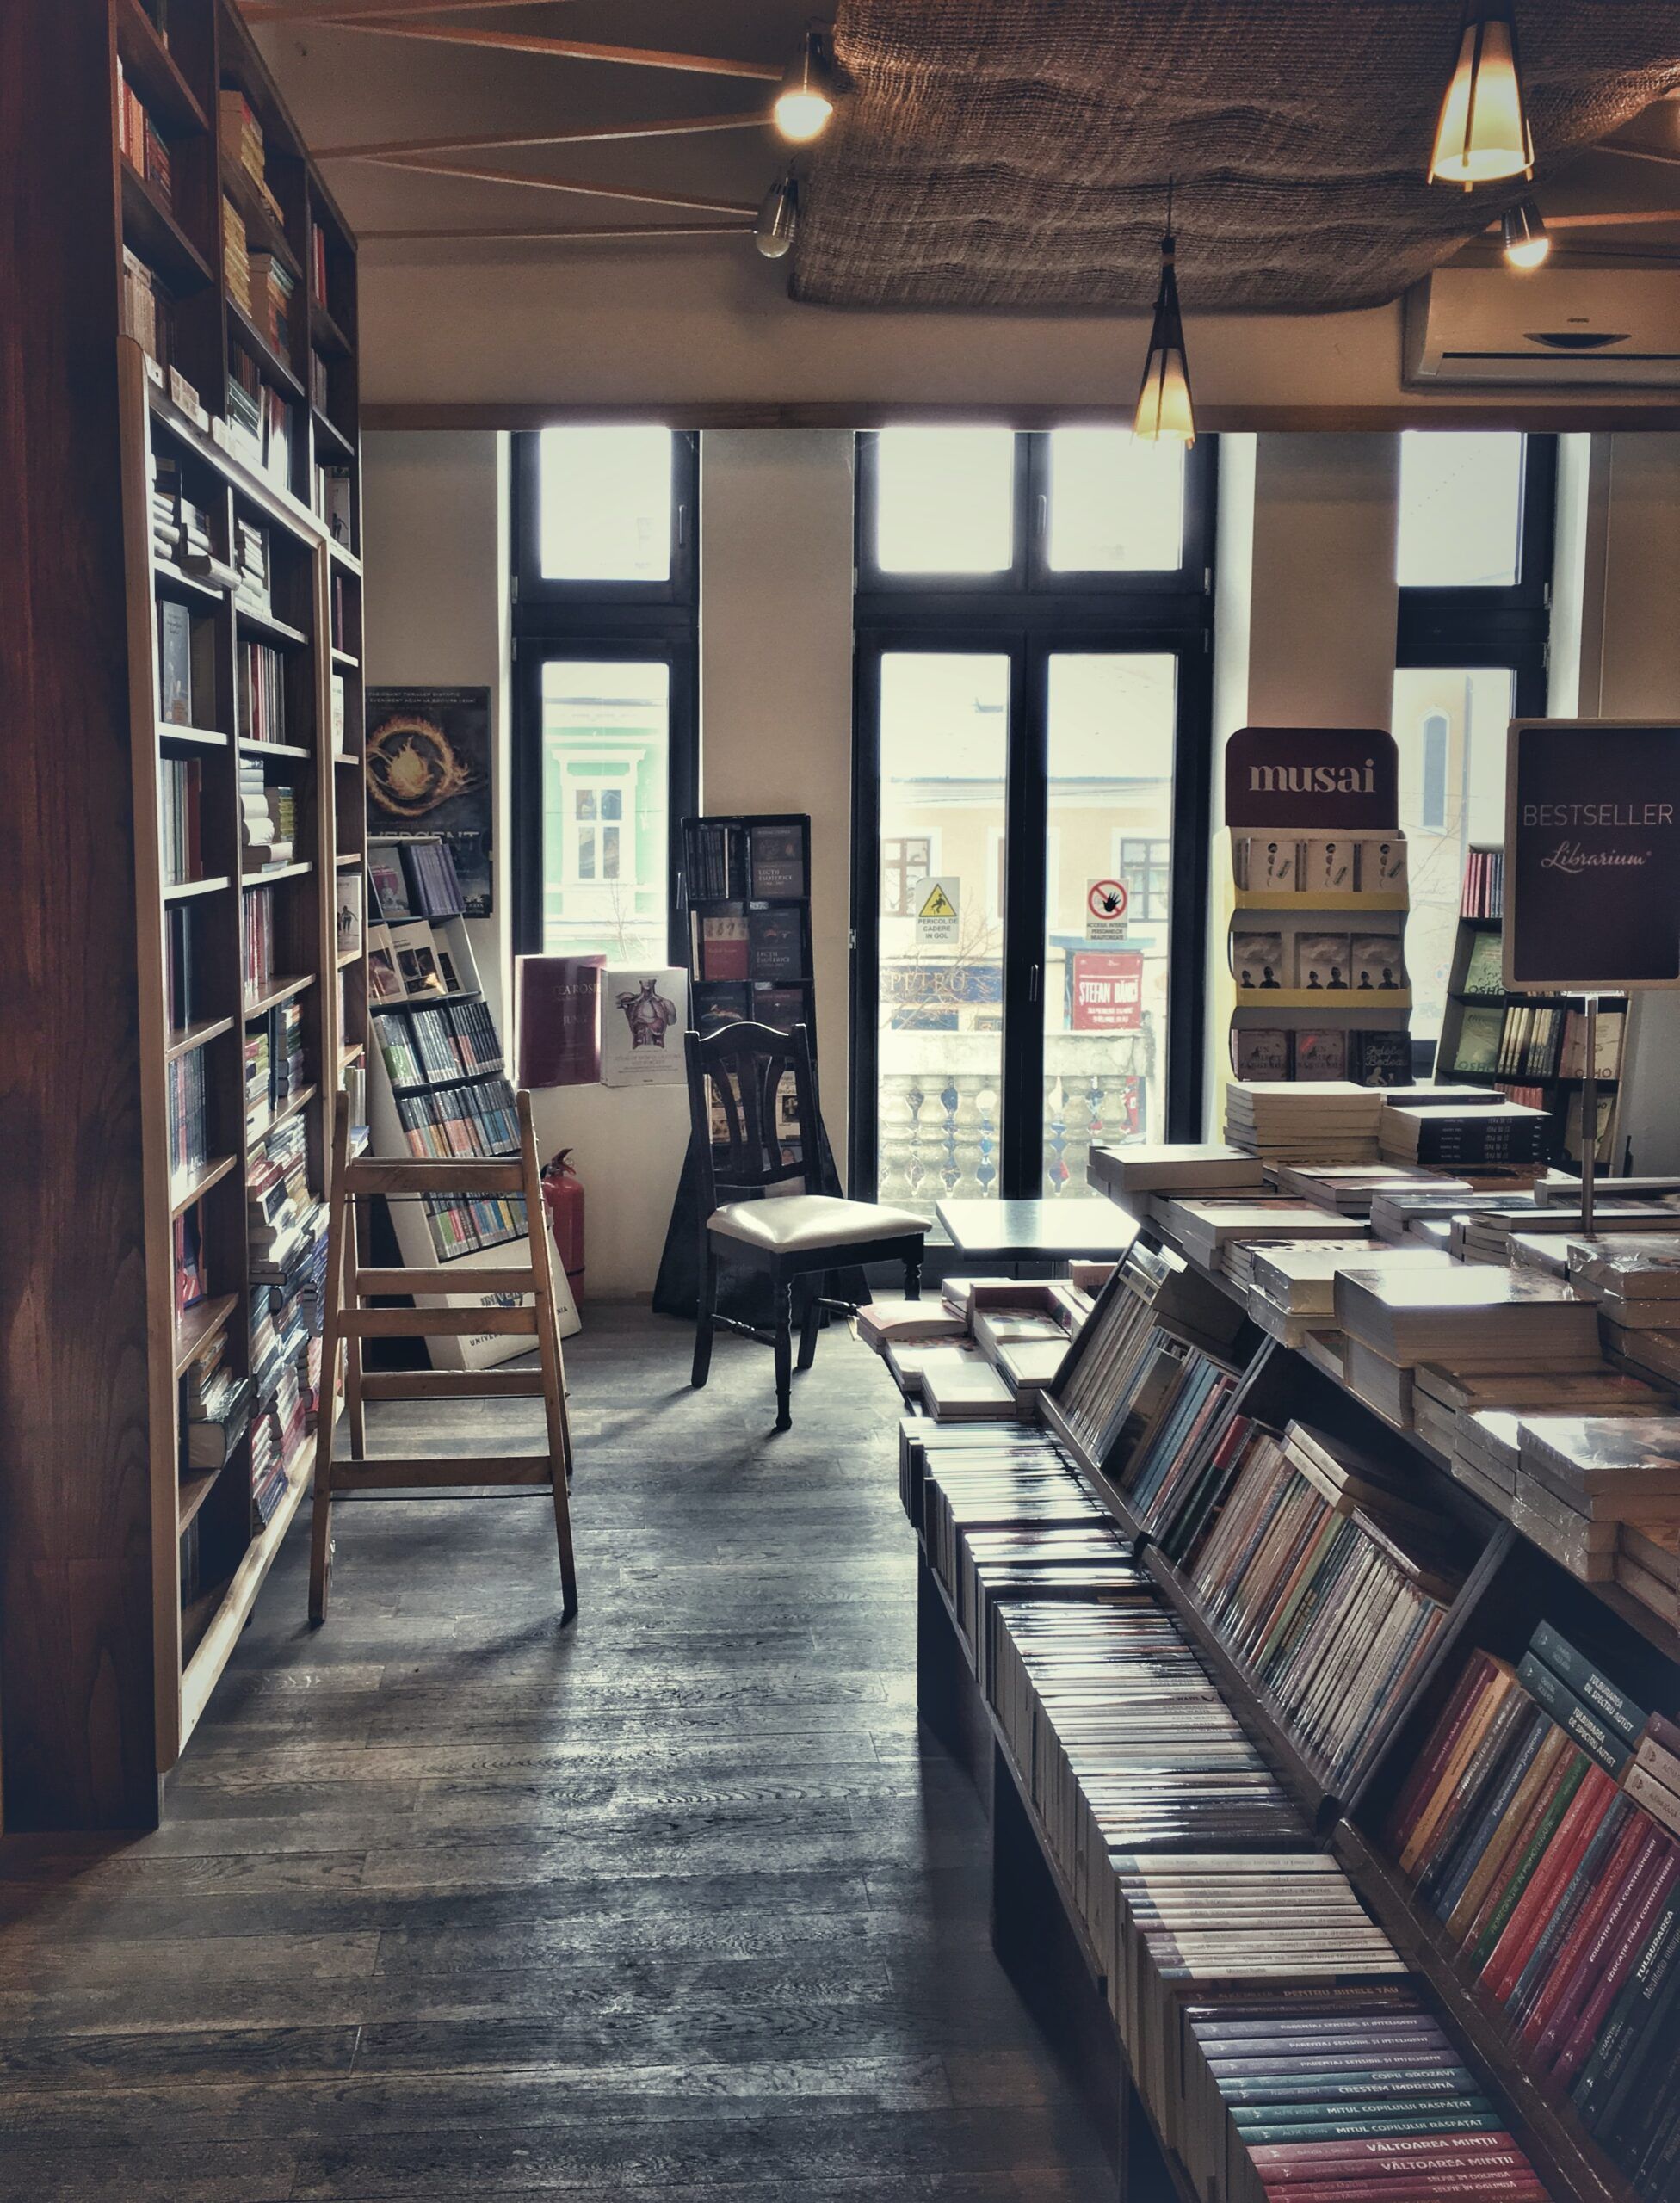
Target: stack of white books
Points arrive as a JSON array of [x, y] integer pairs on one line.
[[1311, 1120], [1459, 1315]]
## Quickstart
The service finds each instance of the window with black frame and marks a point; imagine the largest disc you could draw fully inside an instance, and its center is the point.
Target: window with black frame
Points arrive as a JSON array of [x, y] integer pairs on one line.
[[1473, 560], [605, 668], [1034, 628]]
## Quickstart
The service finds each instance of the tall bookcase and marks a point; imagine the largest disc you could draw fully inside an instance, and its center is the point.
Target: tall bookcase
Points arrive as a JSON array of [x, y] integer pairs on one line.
[[184, 608]]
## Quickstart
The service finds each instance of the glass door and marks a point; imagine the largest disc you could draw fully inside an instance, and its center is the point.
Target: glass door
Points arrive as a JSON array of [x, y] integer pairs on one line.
[[942, 794], [1109, 723]]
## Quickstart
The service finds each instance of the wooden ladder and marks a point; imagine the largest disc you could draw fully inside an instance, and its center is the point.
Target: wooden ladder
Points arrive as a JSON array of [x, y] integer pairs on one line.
[[348, 1320]]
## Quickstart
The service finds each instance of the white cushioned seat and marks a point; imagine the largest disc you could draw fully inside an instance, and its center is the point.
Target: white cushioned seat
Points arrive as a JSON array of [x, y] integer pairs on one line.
[[786, 1224]]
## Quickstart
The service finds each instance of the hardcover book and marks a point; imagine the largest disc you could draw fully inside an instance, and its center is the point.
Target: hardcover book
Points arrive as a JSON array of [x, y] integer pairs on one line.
[[1257, 959]]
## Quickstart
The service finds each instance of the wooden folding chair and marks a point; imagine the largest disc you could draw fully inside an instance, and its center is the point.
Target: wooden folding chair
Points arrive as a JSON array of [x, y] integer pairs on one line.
[[350, 1322]]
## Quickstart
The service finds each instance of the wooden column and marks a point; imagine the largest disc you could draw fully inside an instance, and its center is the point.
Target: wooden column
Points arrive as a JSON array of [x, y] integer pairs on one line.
[[76, 1740]]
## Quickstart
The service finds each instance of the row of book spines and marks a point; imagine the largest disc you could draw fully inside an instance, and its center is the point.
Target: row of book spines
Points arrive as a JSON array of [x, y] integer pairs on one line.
[[1541, 1043], [455, 1120], [188, 1143], [1558, 1885], [1484, 893], [140, 141], [467, 1225], [1276, 1053], [180, 803], [728, 862]]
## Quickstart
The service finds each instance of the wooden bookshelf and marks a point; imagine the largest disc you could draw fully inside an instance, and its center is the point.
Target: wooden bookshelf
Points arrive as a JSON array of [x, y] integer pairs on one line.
[[151, 400]]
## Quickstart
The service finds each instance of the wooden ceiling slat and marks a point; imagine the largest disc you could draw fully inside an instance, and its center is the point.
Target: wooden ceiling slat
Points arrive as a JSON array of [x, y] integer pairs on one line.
[[582, 235], [571, 49], [693, 126], [587, 190], [304, 12]]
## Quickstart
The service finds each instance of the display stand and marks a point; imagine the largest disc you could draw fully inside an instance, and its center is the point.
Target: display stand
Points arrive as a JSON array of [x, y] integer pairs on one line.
[[743, 897], [440, 1088], [1516, 1040], [1317, 906]]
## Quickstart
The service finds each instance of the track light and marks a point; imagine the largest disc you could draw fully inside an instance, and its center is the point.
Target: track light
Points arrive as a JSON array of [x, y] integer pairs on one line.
[[1164, 411], [1525, 236], [1483, 132], [805, 104], [779, 216]]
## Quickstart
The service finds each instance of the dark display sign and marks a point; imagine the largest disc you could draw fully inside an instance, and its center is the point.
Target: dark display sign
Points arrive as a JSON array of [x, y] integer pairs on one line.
[[1592, 855], [1300, 776]]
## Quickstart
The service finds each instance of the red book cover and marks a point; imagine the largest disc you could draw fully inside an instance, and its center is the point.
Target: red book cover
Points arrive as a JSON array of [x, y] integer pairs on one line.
[[560, 1019], [1620, 1871], [1621, 1944], [1517, 1848], [1508, 2187], [723, 947], [1432, 1759], [1563, 1855]]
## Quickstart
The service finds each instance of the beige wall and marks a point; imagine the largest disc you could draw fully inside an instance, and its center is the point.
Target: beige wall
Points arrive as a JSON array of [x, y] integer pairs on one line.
[[775, 676]]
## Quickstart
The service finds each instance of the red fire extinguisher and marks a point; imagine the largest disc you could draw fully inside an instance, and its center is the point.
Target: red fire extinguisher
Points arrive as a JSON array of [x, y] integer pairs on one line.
[[563, 1192]]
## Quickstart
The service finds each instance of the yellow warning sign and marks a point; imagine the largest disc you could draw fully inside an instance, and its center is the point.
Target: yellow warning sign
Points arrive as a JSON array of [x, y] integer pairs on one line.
[[937, 901]]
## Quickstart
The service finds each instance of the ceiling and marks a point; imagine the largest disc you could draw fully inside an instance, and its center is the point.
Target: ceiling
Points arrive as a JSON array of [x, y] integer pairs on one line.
[[995, 154], [998, 155]]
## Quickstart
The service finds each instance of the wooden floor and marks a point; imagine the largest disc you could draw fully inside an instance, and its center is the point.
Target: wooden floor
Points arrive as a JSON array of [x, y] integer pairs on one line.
[[449, 1905]]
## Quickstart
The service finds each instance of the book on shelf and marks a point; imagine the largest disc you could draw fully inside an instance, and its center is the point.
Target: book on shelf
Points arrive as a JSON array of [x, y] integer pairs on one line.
[[181, 969], [723, 946], [187, 1117], [317, 263], [336, 504], [775, 860], [715, 870], [456, 1040], [188, 1260], [385, 981], [139, 140], [180, 817], [1496, 1130], [1484, 973], [414, 948], [174, 664], [236, 257], [1316, 1121], [1484, 890], [1310, 864], [267, 818], [272, 288], [259, 943], [390, 883], [1522, 1833], [775, 944], [465, 1119], [348, 919], [251, 566]]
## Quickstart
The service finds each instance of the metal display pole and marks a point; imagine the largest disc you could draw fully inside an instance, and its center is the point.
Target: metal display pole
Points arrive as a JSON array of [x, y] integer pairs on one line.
[[1589, 1117]]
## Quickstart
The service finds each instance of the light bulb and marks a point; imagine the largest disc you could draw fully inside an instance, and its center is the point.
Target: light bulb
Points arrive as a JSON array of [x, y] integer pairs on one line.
[[805, 105], [778, 217], [1523, 236]]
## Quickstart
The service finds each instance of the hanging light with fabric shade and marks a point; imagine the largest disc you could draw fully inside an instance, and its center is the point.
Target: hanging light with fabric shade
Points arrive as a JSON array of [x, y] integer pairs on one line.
[[1483, 132], [1164, 413]]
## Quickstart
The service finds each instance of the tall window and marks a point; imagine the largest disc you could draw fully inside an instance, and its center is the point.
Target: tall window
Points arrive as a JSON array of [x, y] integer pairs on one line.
[[1033, 614], [605, 665], [1474, 563]]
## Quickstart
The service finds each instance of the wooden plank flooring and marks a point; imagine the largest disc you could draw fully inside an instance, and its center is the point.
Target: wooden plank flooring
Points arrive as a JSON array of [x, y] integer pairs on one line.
[[677, 1905]]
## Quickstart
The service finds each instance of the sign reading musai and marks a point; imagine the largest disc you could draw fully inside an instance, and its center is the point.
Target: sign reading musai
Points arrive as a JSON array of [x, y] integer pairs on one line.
[[1592, 855], [1297, 778]]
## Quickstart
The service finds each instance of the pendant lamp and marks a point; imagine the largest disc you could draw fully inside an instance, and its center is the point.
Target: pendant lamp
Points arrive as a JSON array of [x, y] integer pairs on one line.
[[1483, 132], [1164, 412]]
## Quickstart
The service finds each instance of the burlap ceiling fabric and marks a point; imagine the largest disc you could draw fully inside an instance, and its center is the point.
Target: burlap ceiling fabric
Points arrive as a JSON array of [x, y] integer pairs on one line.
[[1013, 153]]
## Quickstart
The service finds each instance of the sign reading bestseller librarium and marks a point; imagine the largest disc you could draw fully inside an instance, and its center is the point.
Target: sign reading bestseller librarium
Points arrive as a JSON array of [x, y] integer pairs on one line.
[[1592, 855]]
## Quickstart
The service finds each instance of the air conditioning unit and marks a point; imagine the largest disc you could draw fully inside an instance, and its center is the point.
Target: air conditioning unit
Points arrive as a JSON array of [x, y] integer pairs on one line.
[[1590, 326]]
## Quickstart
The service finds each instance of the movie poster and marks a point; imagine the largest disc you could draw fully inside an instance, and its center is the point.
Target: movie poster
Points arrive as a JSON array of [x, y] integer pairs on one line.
[[427, 767]]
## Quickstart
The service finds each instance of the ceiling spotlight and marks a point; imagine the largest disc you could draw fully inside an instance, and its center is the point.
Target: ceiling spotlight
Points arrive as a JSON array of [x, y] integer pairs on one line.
[[1483, 133], [1164, 411], [1525, 236], [805, 103], [779, 216]]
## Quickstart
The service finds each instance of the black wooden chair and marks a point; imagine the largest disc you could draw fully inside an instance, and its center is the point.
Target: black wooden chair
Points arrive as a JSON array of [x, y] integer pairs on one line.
[[752, 1107]]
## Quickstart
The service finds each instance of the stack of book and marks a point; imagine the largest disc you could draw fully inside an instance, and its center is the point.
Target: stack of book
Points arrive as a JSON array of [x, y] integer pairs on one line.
[[1444, 1396], [140, 142], [267, 818], [251, 565], [215, 1408], [1348, 1190], [923, 1443], [426, 1045], [1224, 1235], [1322, 1121], [980, 1490], [999, 1568], [1153, 1761], [1633, 1279], [1421, 1215], [272, 286], [1395, 1319], [1292, 1284], [148, 311], [1528, 1832], [1200, 1928], [1501, 1133], [1589, 1488], [236, 257], [1187, 1171], [1309, 1544], [1339, 2094]]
